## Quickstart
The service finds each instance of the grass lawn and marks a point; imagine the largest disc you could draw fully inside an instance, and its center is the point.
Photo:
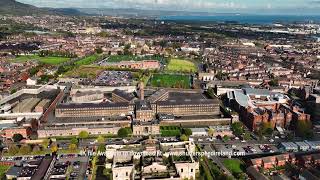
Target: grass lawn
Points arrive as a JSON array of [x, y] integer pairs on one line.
[[3, 170], [170, 81], [84, 72], [68, 151], [170, 133], [45, 60], [180, 65], [234, 165], [119, 58], [88, 60]]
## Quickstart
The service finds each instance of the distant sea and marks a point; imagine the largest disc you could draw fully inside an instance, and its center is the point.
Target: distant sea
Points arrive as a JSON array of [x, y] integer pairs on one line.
[[246, 19]]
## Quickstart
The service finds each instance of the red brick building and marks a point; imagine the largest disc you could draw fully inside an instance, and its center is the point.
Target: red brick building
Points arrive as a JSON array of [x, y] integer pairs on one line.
[[9, 132], [272, 161]]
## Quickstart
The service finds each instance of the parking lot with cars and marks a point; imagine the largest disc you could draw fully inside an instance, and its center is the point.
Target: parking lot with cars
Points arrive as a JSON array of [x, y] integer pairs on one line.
[[78, 163], [114, 78]]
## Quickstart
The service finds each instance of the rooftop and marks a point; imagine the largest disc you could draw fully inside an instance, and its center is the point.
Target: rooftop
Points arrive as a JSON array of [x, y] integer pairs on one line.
[[92, 105], [143, 105], [123, 94], [260, 92]]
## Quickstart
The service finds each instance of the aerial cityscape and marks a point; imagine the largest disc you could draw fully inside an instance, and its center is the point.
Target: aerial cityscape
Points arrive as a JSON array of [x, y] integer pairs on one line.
[[157, 89]]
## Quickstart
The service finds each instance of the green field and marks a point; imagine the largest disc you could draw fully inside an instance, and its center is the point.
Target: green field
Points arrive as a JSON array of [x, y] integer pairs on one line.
[[169, 131], [88, 60], [84, 72], [45, 60], [180, 65], [119, 58], [234, 165], [170, 81], [3, 170]]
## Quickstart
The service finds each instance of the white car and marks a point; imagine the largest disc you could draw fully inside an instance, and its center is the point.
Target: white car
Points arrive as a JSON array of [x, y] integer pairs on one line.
[[200, 140], [243, 141], [271, 140]]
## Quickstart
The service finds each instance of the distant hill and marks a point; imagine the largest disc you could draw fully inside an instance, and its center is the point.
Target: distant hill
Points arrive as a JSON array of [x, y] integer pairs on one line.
[[16, 8], [67, 11], [13, 7]]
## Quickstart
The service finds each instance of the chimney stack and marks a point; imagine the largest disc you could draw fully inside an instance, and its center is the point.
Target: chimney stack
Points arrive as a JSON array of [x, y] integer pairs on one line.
[[141, 88]]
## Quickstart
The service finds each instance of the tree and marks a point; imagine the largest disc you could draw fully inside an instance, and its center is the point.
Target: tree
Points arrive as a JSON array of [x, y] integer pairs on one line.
[[124, 132], [266, 128], [102, 148], [246, 136], [163, 44], [210, 93], [304, 129], [183, 137], [73, 147], [99, 51], [17, 137], [221, 76], [226, 138], [103, 34], [83, 135], [100, 139], [274, 82], [211, 132], [13, 91], [54, 147], [126, 50], [74, 140], [25, 149], [45, 143], [237, 128], [187, 131], [290, 137], [44, 79], [33, 71], [13, 149]]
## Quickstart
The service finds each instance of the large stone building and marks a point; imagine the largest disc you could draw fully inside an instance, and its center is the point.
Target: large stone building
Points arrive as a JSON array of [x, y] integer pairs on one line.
[[93, 109], [142, 112], [121, 96], [185, 107], [73, 129], [83, 97], [140, 128], [185, 103]]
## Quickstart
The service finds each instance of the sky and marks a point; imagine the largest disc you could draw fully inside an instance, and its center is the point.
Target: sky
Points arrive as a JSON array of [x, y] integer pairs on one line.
[[219, 6]]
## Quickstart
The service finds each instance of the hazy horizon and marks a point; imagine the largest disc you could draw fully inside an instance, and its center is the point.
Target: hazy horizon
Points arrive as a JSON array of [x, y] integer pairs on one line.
[[281, 7]]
